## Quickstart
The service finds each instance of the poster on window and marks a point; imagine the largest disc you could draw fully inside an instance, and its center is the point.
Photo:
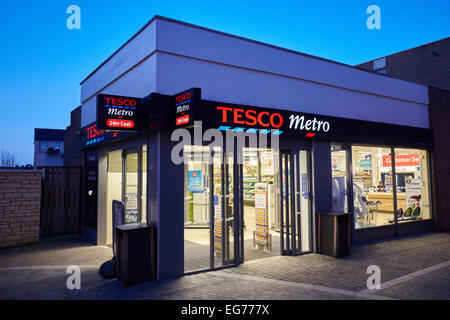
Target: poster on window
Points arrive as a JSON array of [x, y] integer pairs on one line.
[[131, 201], [195, 183], [261, 212], [413, 192], [217, 219]]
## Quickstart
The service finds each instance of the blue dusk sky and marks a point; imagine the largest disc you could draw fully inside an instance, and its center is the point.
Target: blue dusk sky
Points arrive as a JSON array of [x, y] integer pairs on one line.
[[42, 62]]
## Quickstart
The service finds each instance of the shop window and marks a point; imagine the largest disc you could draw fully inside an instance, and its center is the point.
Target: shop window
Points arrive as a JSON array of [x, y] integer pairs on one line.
[[373, 197], [413, 187], [131, 194], [339, 178]]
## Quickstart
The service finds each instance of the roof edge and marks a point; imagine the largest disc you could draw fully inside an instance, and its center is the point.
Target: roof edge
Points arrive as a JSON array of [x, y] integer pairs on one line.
[[214, 31]]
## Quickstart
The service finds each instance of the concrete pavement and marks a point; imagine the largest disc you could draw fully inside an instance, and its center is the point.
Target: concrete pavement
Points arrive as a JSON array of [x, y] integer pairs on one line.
[[415, 267]]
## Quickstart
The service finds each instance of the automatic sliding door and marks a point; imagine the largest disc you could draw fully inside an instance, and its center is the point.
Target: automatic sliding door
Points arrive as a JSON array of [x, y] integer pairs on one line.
[[227, 207], [294, 202]]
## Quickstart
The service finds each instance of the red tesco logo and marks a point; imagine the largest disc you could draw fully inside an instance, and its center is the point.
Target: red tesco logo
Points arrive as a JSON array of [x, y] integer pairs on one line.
[[251, 117], [121, 102], [184, 97]]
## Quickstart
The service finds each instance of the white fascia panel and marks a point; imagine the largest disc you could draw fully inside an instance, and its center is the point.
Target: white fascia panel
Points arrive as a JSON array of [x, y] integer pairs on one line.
[[245, 87], [203, 44]]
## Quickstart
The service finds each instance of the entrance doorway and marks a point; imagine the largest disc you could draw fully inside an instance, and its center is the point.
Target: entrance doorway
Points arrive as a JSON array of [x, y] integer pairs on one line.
[[238, 211]]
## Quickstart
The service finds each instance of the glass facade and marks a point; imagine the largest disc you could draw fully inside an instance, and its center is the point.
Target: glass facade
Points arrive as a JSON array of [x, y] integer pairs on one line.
[[379, 198], [373, 196]]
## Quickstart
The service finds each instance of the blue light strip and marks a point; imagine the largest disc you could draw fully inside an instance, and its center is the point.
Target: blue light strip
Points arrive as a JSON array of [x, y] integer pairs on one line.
[[113, 106], [251, 130], [95, 140], [182, 102]]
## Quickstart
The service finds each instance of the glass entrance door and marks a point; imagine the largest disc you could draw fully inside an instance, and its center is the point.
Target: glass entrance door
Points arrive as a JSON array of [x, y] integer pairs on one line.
[[212, 207], [294, 202], [131, 190], [227, 208], [251, 205]]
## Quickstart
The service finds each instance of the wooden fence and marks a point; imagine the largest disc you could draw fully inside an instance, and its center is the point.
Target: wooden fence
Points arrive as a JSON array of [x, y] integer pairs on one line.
[[61, 201]]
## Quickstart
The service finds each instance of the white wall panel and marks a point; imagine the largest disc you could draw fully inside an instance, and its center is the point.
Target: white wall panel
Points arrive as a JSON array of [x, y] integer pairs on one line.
[[241, 86], [137, 82]]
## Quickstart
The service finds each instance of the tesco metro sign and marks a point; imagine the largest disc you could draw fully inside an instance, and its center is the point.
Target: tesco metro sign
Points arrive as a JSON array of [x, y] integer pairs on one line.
[[118, 113]]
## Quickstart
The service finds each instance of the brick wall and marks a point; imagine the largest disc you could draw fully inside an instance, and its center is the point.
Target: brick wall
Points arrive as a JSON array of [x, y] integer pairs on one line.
[[20, 207], [439, 111], [428, 64]]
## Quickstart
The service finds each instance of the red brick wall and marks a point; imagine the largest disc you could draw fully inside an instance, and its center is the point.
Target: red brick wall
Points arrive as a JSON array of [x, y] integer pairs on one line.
[[439, 111], [20, 207]]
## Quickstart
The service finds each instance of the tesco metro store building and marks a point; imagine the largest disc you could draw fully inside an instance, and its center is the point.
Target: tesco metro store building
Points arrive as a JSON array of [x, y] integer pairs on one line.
[[326, 134]]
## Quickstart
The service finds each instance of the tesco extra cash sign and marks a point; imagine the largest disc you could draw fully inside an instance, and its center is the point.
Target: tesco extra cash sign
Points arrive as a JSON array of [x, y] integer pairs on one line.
[[272, 119], [117, 113]]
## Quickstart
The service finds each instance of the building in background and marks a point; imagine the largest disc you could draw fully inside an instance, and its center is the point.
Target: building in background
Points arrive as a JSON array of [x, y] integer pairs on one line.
[[429, 65], [73, 156], [48, 147]]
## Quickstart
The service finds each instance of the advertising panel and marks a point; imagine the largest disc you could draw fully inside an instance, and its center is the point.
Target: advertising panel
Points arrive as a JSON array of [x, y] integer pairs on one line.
[[184, 107], [413, 192], [195, 184], [118, 113]]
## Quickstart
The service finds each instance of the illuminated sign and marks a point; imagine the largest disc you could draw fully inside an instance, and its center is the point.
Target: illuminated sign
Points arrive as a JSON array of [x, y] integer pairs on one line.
[[184, 107], [96, 136], [402, 160], [118, 113], [299, 122], [251, 117], [269, 121]]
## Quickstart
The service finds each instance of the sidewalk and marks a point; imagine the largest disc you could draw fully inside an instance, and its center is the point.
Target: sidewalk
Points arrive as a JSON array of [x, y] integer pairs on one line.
[[416, 267]]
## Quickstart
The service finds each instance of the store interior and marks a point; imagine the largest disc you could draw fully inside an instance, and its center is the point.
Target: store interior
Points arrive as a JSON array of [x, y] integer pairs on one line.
[[261, 218], [373, 194]]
